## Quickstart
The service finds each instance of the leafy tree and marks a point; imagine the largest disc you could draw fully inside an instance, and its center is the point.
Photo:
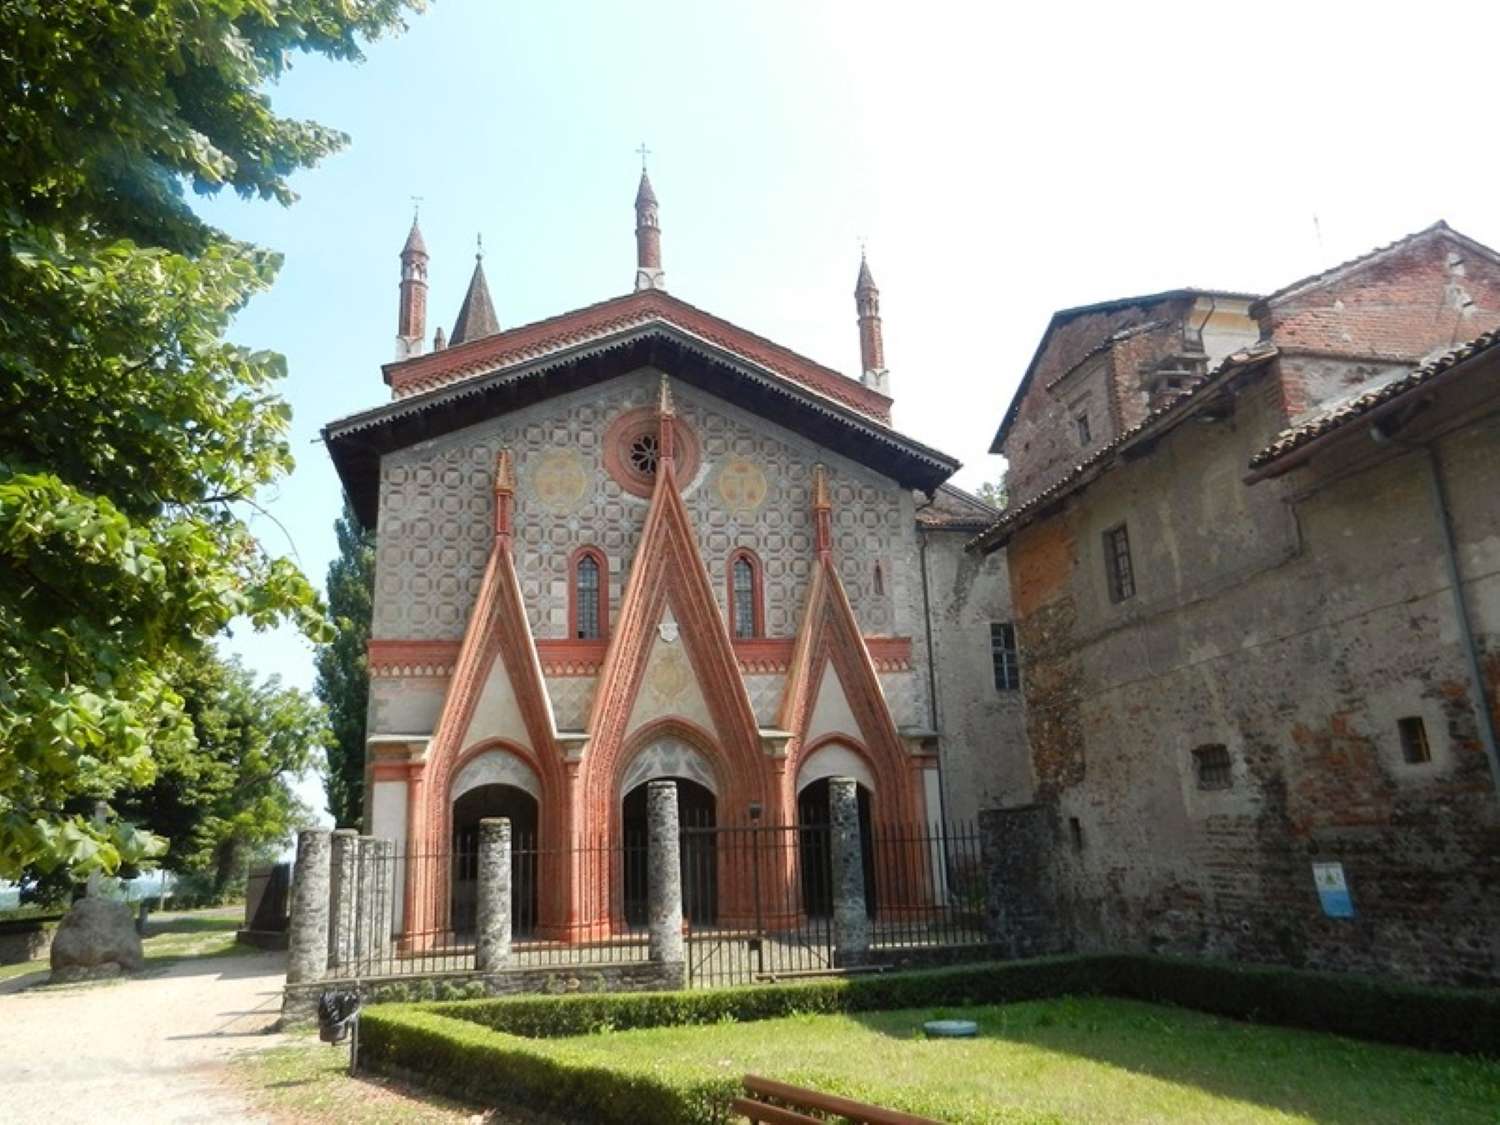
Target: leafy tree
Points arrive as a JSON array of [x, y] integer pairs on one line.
[[993, 493], [132, 435], [343, 671], [229, 792]]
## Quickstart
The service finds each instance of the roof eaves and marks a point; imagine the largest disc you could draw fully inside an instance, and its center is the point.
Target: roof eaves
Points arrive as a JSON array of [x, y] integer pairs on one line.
[[1272, 459]]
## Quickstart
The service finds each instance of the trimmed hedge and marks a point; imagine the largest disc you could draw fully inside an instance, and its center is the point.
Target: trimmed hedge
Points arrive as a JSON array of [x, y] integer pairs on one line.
[[517, 1050], [551, 1017], [465, 1060], [1464, 1021]]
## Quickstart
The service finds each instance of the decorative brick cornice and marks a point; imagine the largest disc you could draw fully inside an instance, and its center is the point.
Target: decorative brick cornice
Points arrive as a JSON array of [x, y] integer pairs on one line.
[[567, 657]]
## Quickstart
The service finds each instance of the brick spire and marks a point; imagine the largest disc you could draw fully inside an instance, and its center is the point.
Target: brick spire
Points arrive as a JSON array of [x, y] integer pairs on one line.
[[411, 317], [871, 345], [476, 316], [648, 271], [822, 513]]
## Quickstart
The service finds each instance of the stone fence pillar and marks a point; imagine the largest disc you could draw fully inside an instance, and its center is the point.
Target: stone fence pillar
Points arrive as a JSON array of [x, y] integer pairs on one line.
[[664, 871], [344, 879], [376, 900], [1020, 911], [494, 894], [307, 941], [851, 921]]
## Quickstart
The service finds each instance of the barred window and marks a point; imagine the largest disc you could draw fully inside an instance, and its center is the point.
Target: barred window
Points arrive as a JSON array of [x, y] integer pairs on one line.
[[1117, 564], [587, 618], [1211, 764], [1004, 656]]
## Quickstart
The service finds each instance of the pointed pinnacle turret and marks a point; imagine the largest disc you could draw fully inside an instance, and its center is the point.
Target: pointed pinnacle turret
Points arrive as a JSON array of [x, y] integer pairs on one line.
[[666, 423], [476, 316], [411, 315], [822, 513], [873, 373], [414, 242], [505, 475], [664, 404], [648, 271]]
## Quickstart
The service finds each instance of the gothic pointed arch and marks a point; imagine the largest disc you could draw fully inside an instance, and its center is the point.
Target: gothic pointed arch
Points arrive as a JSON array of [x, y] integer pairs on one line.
[[668, 576], [496, 657], [831, 652]]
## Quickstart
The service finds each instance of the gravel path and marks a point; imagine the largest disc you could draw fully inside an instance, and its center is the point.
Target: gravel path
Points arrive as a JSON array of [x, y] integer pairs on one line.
[[148, 1049]]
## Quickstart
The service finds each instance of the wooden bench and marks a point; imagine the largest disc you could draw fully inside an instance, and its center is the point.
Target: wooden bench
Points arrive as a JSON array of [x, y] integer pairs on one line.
[[777, 1103]]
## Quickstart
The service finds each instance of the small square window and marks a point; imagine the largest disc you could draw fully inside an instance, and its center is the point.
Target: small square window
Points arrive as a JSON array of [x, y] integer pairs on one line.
[[1004, 656], [1414, 746], [1085, 435], [1117, 564], [1211, 764]]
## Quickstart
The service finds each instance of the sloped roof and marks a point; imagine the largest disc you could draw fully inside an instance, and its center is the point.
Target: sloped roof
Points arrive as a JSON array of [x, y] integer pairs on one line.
[[475, 358], [1063, 316], [1295, 438], [476, 316], [953, 509], [1338, 272], [1083, 472]]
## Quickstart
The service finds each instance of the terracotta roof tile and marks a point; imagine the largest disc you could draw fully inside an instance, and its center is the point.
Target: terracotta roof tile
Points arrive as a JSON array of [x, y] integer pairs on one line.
[[1297, 436], [459, 362]]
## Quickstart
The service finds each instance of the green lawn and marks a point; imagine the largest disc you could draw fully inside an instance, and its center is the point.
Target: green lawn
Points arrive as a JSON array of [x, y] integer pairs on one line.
[[1074, 1060]]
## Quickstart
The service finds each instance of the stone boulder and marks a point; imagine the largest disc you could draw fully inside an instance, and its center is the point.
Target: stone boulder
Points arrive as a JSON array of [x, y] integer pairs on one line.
[[95, 939]]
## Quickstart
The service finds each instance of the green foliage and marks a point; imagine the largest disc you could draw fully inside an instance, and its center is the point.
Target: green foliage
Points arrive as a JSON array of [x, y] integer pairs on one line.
[[343, 669], [1388, 1011], [229, 793], [131, 433], [993, 493], [553, 1016]]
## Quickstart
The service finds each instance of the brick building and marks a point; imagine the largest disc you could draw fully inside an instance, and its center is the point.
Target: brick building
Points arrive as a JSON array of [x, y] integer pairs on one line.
[[636, 541], [1259, 613]]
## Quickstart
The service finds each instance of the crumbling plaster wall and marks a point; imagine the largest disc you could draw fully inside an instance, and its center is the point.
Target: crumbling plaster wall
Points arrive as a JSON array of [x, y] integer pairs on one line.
[[983, 745], [1293, 621]]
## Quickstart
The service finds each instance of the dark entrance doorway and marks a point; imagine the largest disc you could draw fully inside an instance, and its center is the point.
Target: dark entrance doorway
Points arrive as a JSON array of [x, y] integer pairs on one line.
[[696, 808], [474, 806], [816, 847]]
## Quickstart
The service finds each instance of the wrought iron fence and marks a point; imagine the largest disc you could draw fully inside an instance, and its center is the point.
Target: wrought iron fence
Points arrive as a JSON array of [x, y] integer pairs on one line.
[[758, 901]]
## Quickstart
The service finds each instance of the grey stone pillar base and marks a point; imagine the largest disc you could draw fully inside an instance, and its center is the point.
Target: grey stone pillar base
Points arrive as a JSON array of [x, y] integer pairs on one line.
[[851, 922], [307, 941], [494, 894], [344, 887], [1020, 908], [663, 871]]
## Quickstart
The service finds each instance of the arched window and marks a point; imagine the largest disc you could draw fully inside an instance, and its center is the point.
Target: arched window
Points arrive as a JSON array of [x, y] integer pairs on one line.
[[746, 617], [588, 597]]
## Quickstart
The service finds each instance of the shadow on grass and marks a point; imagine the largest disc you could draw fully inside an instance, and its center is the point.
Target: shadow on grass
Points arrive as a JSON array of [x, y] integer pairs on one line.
[[1327, 1078]]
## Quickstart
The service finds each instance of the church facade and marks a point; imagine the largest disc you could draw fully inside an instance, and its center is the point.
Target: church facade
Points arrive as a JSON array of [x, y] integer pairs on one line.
[[636, 541]]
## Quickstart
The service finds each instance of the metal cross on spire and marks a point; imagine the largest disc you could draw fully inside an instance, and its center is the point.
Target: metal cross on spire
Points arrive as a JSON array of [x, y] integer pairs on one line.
[[645, 152], [416, 207], [479, 246]]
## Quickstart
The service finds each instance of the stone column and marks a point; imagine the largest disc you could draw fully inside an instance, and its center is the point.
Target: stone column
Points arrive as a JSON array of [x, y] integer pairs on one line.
[[663, 871], [344, 884], [307, 943], [494, 894], [1019, 894], [851, 924], [375, 900]]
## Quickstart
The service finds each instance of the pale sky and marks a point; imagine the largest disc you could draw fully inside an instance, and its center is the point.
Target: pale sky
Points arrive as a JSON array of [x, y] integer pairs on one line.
[[1000, 161]]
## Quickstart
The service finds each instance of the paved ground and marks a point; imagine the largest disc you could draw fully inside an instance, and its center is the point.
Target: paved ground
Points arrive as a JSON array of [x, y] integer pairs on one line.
[[149, 1049]]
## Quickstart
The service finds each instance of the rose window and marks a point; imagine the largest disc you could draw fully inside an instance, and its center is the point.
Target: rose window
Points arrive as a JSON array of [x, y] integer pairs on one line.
[[645, 452]]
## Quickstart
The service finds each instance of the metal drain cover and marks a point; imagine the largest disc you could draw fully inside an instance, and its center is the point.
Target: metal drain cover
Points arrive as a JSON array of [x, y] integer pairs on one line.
[[951, 1029]]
